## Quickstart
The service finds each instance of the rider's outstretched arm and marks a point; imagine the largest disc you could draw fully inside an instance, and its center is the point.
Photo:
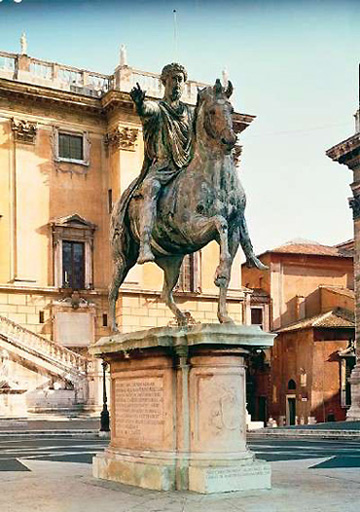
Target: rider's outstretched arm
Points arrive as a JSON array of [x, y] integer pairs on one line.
[[143, 108]]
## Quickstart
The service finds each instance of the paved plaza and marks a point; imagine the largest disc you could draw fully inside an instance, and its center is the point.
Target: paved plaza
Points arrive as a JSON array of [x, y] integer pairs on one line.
[[54, 475]]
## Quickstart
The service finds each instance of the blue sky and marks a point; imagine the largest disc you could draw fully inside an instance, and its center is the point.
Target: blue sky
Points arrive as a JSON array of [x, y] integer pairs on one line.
[[294, 64]]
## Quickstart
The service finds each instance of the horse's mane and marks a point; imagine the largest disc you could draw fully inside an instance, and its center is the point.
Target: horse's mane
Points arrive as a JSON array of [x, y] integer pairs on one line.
[[202, 95]]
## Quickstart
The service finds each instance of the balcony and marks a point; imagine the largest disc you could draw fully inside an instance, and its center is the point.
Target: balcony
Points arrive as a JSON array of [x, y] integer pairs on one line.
[[25, 69]]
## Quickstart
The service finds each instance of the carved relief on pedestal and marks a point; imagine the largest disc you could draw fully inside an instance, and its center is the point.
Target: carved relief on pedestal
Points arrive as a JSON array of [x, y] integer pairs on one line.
[[354, 203], [122, 137], [24, 131], [225, 411]]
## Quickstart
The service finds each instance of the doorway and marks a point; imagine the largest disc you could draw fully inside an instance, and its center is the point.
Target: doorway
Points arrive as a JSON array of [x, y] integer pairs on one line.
[[291, 409], [262, 408]]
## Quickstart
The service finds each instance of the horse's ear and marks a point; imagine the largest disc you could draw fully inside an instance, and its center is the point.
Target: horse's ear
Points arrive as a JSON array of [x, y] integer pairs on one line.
[[229, 89], [199, 94], [218, 88]]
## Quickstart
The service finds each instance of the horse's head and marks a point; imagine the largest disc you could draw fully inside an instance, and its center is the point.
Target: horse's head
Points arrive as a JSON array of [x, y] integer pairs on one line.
[[217, 114]]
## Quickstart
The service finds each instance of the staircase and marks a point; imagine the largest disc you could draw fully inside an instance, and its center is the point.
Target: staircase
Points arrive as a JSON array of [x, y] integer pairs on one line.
[[45, 354]]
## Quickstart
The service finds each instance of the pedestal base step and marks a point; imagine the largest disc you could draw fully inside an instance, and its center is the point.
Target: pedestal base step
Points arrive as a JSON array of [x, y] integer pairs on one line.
[[159, 477], [251, 475]]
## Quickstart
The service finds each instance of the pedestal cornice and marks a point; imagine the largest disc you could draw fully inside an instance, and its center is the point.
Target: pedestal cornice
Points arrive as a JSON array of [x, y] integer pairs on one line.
[[201, 334]]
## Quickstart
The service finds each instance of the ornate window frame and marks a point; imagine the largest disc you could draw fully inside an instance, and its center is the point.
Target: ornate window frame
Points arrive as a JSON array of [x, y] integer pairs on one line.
[[72, 228], [57, 130], [190, 274]]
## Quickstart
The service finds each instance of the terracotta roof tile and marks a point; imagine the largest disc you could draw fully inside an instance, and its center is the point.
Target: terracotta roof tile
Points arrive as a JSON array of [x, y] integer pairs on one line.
[[314, 249], [338, 317]]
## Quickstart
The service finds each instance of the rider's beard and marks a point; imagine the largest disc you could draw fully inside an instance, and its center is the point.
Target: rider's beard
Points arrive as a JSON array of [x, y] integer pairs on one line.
[[176, 94]]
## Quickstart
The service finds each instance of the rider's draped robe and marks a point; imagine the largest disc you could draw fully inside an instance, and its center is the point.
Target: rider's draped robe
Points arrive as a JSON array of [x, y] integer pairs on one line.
[[168, 137]]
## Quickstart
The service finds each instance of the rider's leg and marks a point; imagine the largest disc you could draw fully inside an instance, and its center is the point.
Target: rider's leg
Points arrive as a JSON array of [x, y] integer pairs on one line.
[[150, 190]]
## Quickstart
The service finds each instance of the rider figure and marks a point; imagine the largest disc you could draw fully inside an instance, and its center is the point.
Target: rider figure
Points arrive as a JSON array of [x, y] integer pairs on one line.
[[168, 133]]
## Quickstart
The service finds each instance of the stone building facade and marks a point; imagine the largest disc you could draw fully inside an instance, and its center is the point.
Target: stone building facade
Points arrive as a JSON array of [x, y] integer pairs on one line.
[[70, 143], [306, 297], [347, 152]]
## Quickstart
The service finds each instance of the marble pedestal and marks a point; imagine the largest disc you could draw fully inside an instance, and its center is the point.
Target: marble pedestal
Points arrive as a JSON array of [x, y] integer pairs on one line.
[[178, 417]]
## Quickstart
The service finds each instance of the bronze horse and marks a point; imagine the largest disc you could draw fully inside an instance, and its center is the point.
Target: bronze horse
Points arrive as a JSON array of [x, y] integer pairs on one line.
[[204, 202]]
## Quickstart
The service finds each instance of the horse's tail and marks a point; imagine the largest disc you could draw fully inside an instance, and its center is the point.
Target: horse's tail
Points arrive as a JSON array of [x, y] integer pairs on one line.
[[247, 247], [120, 233], [124, 254]]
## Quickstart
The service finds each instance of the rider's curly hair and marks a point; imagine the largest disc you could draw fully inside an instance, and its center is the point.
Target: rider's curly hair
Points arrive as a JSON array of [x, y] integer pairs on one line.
[[169, 69]]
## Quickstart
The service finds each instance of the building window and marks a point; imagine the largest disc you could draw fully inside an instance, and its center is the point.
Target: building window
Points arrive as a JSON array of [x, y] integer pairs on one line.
[[257, 316], [73, 246], [189, 278], [71, 147], [110, 200], [73, 258], [291, 384]]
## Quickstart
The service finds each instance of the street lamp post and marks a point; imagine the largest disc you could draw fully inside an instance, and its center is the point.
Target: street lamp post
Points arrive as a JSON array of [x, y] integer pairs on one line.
[[105, 417]]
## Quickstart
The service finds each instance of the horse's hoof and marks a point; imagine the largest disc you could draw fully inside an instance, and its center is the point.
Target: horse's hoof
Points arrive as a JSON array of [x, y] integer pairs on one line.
[[225, 319], [145, 257], [185, 319], [220, 281], [253, 261]]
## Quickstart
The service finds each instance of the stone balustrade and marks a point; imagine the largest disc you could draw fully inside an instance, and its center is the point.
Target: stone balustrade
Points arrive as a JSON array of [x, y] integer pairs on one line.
[[26, 69], [23, 68], [28, 340]]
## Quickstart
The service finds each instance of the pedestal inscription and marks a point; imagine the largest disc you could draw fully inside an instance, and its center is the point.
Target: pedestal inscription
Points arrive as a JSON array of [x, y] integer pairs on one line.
[[139, 409], [250, 475]]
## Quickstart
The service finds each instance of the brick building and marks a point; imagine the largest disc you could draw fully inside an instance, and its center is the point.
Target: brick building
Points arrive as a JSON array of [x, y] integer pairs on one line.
[[307, 297]]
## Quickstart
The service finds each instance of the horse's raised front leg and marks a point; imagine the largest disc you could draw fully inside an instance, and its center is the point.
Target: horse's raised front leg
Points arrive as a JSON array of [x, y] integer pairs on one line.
[[171, 266], [207, 228]]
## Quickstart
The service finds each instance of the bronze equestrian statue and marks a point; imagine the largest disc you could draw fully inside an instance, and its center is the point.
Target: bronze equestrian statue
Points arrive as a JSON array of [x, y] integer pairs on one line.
[[187, 194]]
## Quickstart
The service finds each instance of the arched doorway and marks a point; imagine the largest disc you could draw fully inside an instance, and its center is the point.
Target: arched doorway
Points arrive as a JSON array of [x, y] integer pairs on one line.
[[291, 403]]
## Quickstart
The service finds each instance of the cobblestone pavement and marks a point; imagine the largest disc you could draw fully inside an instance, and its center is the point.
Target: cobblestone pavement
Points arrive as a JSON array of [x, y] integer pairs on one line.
[[45, 475]]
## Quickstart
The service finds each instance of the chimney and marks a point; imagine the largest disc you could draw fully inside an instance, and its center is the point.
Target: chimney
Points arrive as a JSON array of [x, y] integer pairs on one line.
[[299, 307]]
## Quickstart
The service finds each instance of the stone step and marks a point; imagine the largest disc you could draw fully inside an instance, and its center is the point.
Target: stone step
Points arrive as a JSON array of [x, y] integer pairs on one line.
[[295, 433], [31, 434]]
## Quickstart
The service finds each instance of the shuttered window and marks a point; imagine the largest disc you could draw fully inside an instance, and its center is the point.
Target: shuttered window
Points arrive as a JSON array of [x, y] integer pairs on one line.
[[71, 147]]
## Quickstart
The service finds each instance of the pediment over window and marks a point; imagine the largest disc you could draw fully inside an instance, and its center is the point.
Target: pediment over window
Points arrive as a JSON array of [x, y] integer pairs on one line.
[[72, 221]]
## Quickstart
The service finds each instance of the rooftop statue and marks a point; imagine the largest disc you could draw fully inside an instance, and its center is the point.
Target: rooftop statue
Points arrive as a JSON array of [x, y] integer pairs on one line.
[[23, 44], [187, 193]]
